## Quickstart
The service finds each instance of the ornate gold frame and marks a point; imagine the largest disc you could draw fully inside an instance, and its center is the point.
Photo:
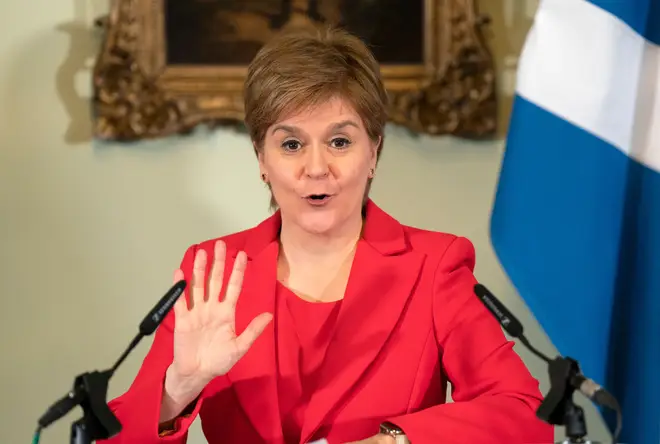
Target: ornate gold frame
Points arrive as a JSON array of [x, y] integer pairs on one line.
[[137, 96]]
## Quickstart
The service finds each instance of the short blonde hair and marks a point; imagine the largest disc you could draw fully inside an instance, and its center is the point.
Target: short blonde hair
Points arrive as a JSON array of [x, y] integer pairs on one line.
[[300, 69]]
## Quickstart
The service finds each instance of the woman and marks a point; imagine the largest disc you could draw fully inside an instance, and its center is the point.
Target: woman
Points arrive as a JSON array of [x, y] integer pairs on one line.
[[329, 319]]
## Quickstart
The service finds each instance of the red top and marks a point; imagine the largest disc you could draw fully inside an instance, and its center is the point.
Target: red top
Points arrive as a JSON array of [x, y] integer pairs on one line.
[[312, 324], [408, 325]]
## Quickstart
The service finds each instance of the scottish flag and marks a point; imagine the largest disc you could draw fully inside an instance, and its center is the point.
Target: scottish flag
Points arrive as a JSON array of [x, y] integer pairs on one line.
[[576, 218]]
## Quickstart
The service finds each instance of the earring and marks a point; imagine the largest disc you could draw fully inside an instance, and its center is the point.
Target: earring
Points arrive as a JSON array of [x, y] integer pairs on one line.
[[263, 177], [371, 173]]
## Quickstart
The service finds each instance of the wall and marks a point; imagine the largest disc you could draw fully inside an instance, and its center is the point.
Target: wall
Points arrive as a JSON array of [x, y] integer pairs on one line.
[[90, 233]]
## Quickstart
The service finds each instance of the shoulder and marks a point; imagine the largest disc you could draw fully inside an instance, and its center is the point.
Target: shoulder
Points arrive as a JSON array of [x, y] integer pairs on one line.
[[443, 248], [390, 235]]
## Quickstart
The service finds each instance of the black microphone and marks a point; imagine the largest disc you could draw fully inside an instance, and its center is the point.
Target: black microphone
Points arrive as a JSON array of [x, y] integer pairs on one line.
[[90, 389], [594, 391], [514, 328], [151, 322], [506, 319]]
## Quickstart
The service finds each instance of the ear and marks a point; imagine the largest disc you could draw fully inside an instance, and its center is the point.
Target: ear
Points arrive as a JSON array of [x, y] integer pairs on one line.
[[375, 147], [260, 156]]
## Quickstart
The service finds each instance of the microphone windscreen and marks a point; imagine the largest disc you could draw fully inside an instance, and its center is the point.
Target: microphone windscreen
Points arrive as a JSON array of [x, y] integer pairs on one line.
[[158, 313], [506, 319]]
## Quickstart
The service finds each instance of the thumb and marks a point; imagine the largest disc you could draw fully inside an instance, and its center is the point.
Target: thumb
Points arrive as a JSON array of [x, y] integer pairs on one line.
[[252, 332]]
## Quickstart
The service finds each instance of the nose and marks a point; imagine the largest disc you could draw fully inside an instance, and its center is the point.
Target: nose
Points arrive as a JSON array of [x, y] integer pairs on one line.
[[317, 163]]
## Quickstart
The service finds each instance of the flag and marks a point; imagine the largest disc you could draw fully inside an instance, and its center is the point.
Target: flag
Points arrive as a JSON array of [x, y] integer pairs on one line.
[[576, 216]]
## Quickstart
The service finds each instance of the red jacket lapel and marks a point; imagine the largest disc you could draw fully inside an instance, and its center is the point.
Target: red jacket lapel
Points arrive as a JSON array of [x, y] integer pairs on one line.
[[254, 377], [382, 279], [384, 273]]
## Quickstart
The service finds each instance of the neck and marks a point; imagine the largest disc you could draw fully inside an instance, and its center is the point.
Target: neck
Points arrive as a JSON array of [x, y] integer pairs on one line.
[[301, 247]]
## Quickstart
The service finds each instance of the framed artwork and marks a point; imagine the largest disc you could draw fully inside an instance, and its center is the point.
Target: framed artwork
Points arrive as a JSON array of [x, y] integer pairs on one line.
[[167, 66]]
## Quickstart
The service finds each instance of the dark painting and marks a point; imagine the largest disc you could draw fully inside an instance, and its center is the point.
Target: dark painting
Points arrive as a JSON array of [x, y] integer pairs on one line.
[[230, 32]]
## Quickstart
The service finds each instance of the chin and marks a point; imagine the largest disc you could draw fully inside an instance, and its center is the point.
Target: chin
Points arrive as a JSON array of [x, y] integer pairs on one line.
[[318, 222]]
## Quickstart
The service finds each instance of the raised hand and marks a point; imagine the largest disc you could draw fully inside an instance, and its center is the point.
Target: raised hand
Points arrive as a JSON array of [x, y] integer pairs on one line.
[[205, 340]]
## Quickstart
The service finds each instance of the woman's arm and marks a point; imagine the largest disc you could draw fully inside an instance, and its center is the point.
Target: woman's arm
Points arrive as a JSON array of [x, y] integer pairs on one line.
[[495, 397]]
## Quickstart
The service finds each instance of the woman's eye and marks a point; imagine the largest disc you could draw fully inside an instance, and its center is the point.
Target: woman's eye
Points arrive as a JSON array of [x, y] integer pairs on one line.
[[340, 143], [291, 145]]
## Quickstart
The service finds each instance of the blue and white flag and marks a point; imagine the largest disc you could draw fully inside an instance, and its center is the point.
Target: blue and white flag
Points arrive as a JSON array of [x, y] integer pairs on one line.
[[576, 218]]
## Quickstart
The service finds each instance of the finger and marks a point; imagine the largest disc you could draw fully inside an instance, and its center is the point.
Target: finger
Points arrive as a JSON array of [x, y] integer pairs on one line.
[[217, 271], [236, 279], [181, 307], [197, 286], [252, 332]]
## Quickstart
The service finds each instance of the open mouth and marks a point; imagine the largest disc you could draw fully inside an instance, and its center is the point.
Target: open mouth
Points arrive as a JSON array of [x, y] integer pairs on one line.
[[317, 199]]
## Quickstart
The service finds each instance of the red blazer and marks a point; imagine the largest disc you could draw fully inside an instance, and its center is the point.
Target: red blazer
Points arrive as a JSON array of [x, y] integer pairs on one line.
[[409, 323]]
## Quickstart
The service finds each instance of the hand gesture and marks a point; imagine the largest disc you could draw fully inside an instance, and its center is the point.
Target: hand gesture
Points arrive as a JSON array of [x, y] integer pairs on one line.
[[205, 340]]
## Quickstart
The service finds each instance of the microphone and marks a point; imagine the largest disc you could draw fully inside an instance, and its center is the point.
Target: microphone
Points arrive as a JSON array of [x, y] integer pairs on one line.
[[90, 389], [565, 374], [151, 322], [514, 328], [506, 319]]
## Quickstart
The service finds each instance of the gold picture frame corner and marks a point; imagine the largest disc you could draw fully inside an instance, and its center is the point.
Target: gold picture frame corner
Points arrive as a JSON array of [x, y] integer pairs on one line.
[[136, 96]]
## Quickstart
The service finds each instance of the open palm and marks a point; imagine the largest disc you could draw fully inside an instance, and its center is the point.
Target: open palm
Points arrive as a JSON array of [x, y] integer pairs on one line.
[[205, 340]]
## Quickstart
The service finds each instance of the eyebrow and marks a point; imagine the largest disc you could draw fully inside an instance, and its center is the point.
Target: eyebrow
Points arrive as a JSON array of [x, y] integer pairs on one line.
[[337, 126], [344, 124]]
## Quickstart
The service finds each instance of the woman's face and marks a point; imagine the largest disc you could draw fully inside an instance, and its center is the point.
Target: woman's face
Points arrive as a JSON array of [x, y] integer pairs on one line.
[[317, 163]]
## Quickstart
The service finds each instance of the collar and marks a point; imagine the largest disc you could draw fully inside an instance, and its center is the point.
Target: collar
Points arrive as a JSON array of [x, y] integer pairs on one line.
[[384, 233]]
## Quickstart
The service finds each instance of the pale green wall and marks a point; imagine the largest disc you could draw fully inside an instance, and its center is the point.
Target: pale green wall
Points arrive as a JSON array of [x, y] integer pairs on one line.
[[90, 234]]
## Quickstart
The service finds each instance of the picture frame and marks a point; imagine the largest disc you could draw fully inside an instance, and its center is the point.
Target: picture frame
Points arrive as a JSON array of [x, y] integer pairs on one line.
[[150, 81]]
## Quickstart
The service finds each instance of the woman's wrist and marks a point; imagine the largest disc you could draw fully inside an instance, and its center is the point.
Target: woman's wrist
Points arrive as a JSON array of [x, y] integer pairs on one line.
[[386, 439], [178, 393]]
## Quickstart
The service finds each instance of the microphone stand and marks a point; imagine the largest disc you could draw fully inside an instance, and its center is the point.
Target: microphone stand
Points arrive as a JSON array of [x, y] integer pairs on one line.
[[90, 392], [558, 407], [98, 421], [90, 389]]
